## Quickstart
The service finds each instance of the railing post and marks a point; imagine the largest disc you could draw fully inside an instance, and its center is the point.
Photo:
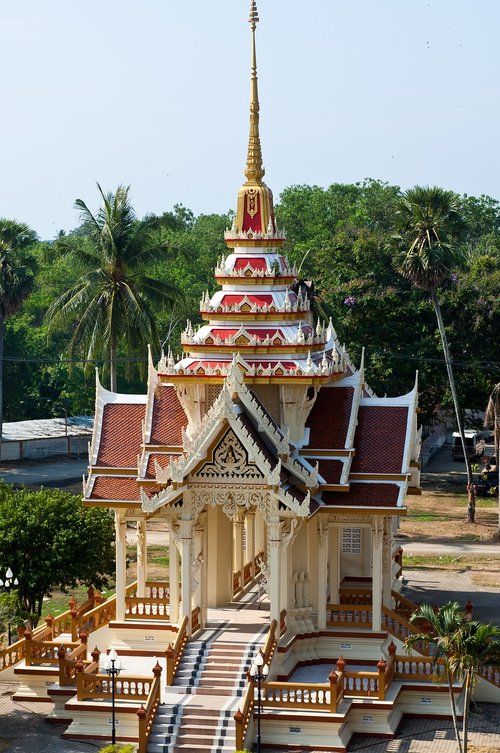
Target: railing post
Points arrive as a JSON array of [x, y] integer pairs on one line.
[[169, 653], [96, 655], [61, 653], [157, 669], [381, 666], [28, 638], [98, 598], [238, 720], [141, 717], [333, 679], [83, 639], [74, 615], [91, 595], [49, 621], [340, 665]]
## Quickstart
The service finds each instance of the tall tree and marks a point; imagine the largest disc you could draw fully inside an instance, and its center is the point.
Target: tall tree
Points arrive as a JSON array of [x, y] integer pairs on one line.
[[112, 301], [17, 269], [492, 419], [428, 241]]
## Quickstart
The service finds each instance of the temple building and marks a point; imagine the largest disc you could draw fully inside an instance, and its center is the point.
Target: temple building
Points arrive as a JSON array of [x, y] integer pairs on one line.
[[278, 479]]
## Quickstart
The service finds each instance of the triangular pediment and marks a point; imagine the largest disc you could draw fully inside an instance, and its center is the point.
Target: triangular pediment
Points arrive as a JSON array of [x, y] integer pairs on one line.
[[228, 461]]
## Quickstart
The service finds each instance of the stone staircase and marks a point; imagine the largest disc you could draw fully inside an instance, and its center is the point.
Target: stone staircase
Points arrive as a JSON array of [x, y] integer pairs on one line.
[[210, 682]]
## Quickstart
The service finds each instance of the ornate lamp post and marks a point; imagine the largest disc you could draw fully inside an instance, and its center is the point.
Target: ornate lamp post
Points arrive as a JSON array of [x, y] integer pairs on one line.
[[111, 664], [8, 584], [259, 671]]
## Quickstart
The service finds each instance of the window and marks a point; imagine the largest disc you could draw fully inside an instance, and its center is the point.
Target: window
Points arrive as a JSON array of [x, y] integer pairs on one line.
[[351, 541]]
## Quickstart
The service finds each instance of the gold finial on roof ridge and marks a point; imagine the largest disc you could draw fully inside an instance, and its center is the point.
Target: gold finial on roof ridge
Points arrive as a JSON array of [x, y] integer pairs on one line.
[[254, 170]]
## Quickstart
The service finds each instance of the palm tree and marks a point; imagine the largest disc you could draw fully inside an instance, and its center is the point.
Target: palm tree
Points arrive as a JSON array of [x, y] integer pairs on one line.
[[443, 626], [17, 269], [477, 648], [113, 299], [429, 230], [466, 648]]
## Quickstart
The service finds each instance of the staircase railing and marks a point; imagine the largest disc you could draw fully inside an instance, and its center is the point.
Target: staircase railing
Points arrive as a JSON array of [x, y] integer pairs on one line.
[[244, 714], [398, 626], [74, 621], [147, 712], [174, 652], [74, 661]]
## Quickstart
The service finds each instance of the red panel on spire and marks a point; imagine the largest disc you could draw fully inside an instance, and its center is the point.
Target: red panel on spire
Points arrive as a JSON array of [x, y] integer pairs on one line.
[[256, 262], [252, 213]]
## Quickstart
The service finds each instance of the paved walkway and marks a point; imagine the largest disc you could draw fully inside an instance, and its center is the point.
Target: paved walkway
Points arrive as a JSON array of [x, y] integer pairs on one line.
[[439, 586]]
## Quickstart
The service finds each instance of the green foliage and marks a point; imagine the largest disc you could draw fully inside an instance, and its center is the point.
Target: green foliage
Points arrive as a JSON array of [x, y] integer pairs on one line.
[[113, 299], [339, 234], [51, 541], [118, 748]]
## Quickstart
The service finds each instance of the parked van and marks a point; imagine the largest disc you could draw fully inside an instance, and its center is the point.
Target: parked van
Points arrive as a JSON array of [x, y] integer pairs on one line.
[[474, 443]]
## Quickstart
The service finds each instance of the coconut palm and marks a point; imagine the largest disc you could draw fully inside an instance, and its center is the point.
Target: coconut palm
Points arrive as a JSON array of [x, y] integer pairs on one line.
[[442, 627], [17, 269], [429, 230], [112, 301]]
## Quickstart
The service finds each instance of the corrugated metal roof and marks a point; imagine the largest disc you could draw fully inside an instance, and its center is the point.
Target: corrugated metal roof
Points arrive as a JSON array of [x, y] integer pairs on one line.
[[47, 428]]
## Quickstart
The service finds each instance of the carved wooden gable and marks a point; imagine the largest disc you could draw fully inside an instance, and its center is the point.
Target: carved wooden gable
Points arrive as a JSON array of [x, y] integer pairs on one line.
[[229, 462]]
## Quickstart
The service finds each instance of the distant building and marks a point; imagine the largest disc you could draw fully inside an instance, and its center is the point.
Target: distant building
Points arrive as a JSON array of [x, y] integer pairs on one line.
[[46, 437]]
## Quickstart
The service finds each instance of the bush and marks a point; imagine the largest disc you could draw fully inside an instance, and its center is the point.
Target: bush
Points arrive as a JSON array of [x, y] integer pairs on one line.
[[118, 748]]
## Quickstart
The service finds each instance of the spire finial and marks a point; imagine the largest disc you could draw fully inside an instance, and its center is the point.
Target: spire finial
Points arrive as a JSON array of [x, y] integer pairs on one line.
[[254, 170]]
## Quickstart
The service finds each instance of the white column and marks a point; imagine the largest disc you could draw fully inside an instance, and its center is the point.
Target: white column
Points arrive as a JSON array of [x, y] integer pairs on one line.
[[335, 566], [238, 545], [387, 564], [285, 578], [174, 580], [141, 558], [273, 563], [377, 536], [186, 532], [121, 563], [250, 549], [322, 572]]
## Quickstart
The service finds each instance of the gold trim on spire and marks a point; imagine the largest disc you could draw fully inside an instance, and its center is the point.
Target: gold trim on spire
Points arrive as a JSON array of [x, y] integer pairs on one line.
[[254, 171]]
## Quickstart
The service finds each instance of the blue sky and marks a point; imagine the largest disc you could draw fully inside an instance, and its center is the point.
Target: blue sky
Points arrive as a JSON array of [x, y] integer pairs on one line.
[[155, 95]]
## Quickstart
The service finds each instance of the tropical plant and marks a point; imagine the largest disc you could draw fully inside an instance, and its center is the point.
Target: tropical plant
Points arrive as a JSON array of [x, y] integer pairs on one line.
[[429, 231], [443, 625], [464, 647], [17, 268], [112, 301], [50, 541]]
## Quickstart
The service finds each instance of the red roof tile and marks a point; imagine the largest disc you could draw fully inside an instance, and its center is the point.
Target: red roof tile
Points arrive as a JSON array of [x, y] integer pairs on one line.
[[380, 439], [121, 435], [115, 488], [168, 417], [329, 417], [163, 459], [329, 469], [364, 495]]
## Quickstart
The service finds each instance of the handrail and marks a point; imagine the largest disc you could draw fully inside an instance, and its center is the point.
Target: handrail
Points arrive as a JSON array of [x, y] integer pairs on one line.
[[195, 619], [244, 714], [92, 687], [174, 653], [283, 614], [401, 628], [400, 598], [146, 714], [271, 643], [75, 661]]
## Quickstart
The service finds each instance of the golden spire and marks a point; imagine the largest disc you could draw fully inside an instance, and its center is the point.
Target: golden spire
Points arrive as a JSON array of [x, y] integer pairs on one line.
[[254, 171], [254, 210]]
